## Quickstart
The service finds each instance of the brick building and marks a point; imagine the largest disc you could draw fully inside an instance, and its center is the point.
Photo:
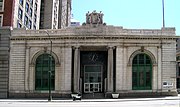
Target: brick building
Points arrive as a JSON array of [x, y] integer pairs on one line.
[[28, 14], [20, 13], [35, 14]]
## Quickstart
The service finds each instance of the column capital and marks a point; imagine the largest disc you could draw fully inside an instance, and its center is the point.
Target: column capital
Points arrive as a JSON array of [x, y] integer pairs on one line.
[[76, 47], [110, 47]]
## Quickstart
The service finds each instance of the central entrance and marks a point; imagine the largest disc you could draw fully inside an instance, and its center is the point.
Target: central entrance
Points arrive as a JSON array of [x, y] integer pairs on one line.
[[93, 78], [93, 71]]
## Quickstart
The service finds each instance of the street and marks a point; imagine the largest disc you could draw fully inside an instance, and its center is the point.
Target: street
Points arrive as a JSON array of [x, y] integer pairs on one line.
[[139, 102]]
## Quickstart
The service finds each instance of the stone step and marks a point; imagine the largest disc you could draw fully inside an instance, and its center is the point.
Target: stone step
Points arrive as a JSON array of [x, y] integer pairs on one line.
[[93, 95], [3, 95]]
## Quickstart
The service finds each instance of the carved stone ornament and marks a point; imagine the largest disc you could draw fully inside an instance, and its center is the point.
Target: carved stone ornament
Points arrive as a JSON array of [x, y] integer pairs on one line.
[[45, 49], [94, 18]]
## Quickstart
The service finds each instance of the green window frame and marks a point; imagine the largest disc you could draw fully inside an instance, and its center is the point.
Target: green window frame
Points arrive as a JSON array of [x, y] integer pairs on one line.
[[41, 72], [142, 72]]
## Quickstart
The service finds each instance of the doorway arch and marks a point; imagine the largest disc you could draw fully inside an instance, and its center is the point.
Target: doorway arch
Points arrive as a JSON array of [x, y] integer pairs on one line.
[[142, 72], [42, 68]]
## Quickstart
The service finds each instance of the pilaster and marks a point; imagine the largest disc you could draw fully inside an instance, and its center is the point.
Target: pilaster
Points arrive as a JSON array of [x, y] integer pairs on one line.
[[119, 68], [110, 69], [76, 69], [27, 49], [159, 74]]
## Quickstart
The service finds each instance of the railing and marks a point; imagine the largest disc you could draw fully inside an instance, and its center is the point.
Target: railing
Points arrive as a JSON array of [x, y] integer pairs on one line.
[[80, 85], [105, 84], [92, 87]]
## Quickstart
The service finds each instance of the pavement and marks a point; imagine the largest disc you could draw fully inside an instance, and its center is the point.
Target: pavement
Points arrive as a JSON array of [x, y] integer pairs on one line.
[[93, 100]]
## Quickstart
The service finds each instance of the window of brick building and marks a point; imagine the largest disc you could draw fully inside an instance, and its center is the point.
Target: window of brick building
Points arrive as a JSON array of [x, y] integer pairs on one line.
[[27, 7], [19, 25], [21, 2], [30, 24], [31, 1], [35, 7], [26, 20], [1, 5], [30, 12], [20, 13], [35, 18], [1, 20]]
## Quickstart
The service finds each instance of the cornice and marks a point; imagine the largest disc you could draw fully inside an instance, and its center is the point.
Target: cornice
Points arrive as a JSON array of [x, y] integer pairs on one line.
[[77, 37]]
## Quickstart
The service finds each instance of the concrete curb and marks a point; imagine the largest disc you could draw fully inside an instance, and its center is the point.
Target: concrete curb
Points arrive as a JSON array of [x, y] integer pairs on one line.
[[89, 100]]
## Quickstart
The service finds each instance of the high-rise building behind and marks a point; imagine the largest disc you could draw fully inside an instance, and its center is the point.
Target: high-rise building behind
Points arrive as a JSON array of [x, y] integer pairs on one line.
[[6, 12], [65, 13], [49, 14], [35, 14], [75, 23], [55, 14], [26, 14], [20, 13]]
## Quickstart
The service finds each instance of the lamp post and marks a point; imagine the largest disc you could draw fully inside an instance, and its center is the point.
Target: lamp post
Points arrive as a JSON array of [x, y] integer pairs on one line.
[[50, 68]]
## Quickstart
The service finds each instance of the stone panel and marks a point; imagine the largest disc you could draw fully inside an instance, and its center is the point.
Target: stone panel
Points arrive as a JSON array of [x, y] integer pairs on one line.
[[65, 69], [169, 63], [119, 68], [17, 68]]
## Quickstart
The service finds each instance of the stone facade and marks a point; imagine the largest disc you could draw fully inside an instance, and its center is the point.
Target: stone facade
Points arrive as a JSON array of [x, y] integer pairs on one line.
[[94, 59], [121, 46]]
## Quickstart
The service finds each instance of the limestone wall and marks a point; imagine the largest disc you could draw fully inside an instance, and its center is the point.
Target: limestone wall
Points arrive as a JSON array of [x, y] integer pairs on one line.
[[17, 67], [26, 46], [22, 66], [169, 63]]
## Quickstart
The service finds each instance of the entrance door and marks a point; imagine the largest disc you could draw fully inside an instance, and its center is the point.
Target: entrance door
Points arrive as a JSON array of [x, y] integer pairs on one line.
[[93, 78], [142, 72]]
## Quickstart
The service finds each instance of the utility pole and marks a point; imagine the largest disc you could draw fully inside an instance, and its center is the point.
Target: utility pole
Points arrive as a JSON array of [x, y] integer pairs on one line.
[[163, 13]]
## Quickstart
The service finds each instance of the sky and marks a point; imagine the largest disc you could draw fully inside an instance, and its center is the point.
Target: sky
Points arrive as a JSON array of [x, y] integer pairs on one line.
[[131, 14]]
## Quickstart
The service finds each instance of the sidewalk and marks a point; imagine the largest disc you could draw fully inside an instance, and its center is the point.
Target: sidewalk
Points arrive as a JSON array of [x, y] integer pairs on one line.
[[92, 100]]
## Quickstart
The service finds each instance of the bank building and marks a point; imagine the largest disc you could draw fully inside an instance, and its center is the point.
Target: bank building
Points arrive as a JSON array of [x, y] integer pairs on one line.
[[95, 60]]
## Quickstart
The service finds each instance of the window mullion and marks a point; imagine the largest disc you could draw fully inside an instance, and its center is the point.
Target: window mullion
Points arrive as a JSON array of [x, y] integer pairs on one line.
[[138, 73], [42, 71], [144, 72]]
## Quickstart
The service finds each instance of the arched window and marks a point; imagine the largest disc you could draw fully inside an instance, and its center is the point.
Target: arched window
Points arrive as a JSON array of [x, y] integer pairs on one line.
[[141, 72], [43, 67]]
